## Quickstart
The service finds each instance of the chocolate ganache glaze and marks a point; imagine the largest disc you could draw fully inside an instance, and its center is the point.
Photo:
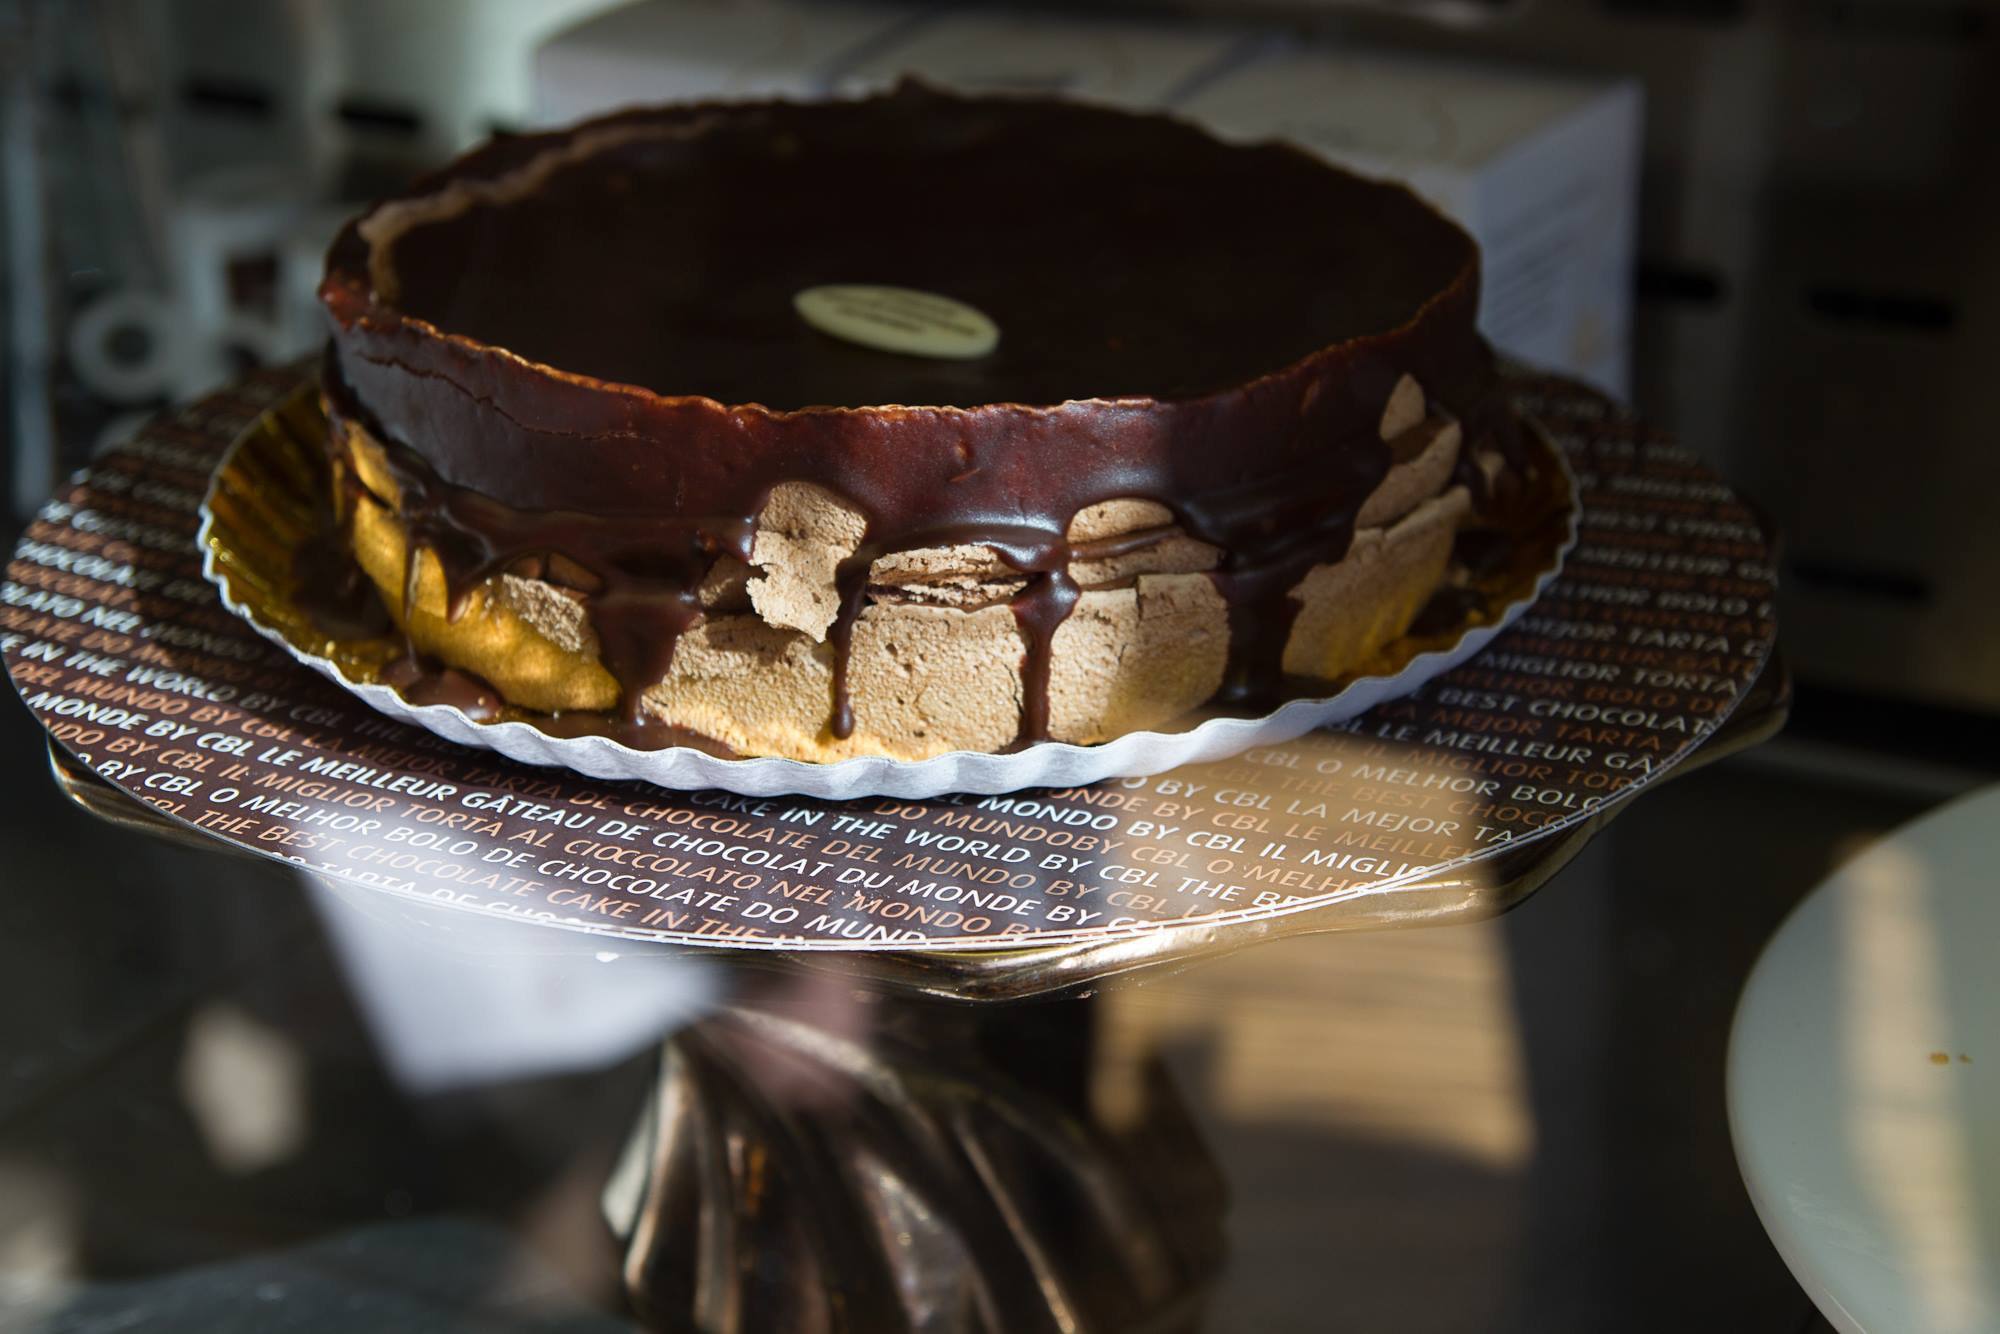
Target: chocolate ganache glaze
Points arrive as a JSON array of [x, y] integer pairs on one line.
[[583, 344]]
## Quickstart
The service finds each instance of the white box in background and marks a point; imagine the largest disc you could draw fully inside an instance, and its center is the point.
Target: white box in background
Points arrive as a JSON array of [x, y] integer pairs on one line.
[[1133, 64], [1542, 169], [685, 50], [667, 50]]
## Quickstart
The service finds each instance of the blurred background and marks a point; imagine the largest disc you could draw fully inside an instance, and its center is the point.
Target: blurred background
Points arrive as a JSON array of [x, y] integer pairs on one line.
[[1763, 223]]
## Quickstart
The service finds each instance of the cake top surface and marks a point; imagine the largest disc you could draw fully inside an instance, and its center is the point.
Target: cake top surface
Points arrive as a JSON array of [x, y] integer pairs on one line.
[[1120, 255]]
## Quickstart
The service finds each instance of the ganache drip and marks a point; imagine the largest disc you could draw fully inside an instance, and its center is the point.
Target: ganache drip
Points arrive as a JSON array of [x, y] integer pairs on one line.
[[1039, 609], [646, 571]]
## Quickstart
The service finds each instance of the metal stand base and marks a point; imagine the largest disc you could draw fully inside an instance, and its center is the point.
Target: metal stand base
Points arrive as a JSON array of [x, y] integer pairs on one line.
[[899, 1164]]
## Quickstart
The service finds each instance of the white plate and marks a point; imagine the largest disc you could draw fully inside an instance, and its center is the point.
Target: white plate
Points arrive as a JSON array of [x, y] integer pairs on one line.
[[1864, 1082]]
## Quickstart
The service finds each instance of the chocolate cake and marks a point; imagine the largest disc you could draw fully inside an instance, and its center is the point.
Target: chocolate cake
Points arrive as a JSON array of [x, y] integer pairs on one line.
[[594, 455]]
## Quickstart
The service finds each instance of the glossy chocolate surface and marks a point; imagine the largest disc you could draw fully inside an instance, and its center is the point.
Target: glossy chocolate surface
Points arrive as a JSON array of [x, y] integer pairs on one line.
[[1215, 328], [1120, 256]]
